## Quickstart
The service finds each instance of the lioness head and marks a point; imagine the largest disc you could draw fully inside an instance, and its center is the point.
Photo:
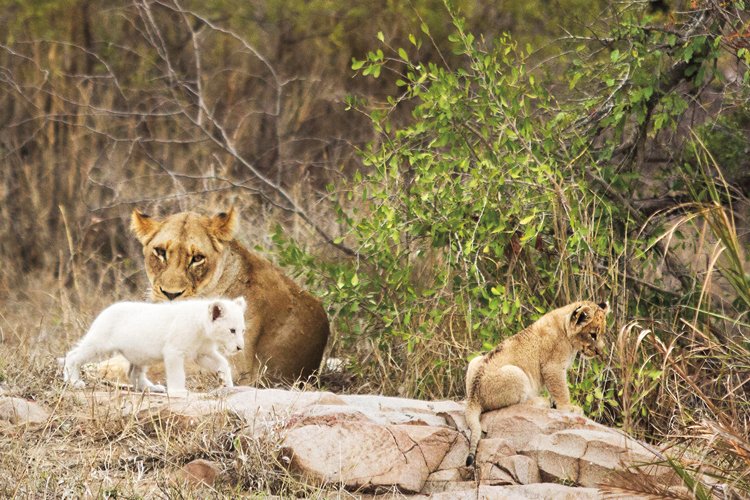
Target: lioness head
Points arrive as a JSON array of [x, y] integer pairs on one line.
[[587, 325], [183, 253]]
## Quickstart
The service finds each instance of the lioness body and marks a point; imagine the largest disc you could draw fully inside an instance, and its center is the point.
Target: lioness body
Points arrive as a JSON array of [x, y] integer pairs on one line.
[[518, 368], [145, 333], [190, 255]]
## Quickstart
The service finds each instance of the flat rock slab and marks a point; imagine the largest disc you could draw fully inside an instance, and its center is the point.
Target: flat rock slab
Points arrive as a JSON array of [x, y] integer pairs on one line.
[[376, 444], [18, 411]]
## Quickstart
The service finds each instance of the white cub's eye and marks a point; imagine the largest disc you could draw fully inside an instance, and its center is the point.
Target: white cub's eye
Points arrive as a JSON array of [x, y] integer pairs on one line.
[[232, 330]]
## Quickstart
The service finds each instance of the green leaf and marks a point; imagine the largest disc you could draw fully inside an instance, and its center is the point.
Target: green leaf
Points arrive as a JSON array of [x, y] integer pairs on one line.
[[526, 219]]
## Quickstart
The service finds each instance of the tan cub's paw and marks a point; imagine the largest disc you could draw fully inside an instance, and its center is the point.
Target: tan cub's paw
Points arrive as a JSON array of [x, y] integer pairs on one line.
[[572, 409], [538, 402]]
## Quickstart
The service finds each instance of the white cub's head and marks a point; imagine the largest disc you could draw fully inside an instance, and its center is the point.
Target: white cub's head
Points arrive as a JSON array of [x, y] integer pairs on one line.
[[226, 320]]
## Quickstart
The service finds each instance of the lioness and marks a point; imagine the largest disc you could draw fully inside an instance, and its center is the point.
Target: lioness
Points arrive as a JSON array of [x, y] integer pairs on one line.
[[539, 356], [191, 255]]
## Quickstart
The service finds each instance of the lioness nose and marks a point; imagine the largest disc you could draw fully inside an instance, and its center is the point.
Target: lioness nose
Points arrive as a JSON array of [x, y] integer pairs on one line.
[[171, 295]]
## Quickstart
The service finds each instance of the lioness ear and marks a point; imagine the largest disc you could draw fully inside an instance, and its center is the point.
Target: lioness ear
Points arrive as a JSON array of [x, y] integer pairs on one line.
[[240, 301], [224, 225], [216, 311], [143, 226]]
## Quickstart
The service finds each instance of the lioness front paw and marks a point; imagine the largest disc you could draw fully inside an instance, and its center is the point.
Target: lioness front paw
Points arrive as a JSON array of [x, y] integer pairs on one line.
[[572, 409]]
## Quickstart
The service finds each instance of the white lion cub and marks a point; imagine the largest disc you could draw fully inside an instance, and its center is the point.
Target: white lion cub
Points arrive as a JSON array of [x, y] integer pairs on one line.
[[145, 333]]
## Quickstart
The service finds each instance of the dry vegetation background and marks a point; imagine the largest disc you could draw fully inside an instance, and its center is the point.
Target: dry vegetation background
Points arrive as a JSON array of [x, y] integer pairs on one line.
[[169, 105]]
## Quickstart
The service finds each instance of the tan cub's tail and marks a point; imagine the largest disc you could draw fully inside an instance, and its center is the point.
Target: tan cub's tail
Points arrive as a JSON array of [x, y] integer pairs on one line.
[[473, 412]]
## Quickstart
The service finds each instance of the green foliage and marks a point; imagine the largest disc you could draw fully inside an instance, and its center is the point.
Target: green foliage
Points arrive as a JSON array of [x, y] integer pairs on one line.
[[474, 219], [482, 213], [725, 140]]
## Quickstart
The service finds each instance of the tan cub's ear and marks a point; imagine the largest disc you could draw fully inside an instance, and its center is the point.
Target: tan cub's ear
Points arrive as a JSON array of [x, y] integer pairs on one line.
[[604, 306], [224, 225], [579, 316], [143, 226]]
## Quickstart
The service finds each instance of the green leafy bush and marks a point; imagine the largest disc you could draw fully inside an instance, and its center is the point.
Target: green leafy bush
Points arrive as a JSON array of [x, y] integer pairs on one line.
[[472, 221]]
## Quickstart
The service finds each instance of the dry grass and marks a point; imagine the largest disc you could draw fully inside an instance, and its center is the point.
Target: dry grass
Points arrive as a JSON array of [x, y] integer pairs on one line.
[[89, 450], [75, 166]]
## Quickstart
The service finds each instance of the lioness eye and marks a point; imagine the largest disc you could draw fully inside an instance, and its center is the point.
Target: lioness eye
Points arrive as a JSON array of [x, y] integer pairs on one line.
[[197, 259], [161, 253]]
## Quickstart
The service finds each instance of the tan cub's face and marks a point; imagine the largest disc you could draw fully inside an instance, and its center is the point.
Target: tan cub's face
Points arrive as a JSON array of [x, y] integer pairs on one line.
[[588, 323], [182, 252]]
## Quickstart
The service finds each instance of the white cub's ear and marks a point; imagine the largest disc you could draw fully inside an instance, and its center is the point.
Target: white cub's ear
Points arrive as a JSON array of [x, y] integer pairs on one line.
[[215, 310], [240, 301]]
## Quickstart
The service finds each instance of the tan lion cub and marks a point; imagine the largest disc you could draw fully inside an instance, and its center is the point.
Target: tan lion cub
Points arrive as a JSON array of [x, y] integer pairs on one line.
[[539, 356]]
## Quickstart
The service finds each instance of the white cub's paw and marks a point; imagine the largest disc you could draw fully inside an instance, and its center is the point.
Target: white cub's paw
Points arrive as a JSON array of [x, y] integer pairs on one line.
[[156, 388], [177, 393], [78, 384]]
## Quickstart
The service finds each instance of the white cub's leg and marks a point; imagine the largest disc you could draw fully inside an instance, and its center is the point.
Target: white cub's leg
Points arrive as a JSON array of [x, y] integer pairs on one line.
[[139, 381], [74, 359], [218, 363], [174, 363]]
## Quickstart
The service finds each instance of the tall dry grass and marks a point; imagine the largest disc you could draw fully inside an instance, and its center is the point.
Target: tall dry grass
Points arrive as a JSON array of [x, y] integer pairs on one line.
[[177, 113]]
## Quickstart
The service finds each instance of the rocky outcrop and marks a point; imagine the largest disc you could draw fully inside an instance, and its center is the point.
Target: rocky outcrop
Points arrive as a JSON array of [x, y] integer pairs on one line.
[[18, 411], [374, 444]]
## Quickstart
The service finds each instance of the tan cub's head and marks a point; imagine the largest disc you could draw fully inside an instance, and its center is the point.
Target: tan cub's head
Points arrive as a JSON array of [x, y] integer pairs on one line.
[[183, 252], [587, 325]]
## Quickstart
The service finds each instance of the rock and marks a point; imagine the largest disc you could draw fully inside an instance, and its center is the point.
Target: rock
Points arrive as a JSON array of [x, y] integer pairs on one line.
[[540, 491], [522, 469], [332, 453], [374, 444], [329, 450], [456, 456], [19, 411], [200, 472], [585, 456], [444, 485]]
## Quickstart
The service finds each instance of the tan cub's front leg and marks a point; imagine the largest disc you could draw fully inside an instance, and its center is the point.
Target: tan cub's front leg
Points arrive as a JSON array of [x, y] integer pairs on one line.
[[555, 378]]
